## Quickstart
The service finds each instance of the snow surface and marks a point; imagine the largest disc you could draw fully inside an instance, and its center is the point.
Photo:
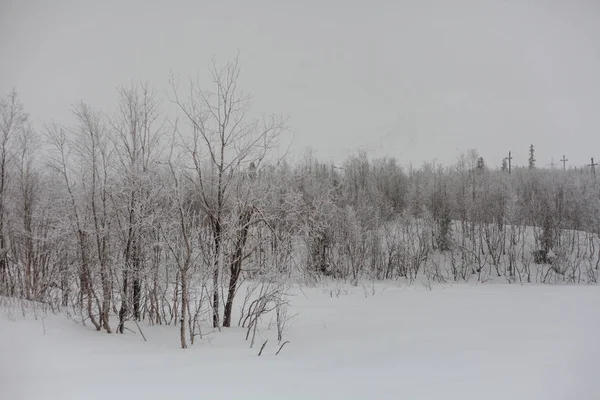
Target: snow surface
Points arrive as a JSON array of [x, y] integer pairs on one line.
[[453, 342]]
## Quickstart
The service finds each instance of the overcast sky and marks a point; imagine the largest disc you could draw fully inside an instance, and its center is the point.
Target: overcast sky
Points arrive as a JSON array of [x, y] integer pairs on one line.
[[414, 79]]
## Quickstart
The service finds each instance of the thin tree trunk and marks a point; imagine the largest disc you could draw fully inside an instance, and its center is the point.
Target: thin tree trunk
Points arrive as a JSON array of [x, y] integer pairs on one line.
[[217, 241], [137, 283], [236, 265], [123, 310], [184, 305]]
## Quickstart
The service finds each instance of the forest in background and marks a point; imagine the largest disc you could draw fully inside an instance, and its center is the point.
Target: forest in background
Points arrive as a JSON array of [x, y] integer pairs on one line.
[[136, 215]]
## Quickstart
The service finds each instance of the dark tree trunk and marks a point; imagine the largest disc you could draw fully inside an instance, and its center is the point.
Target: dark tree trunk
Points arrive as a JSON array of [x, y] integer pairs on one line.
[[236, 265], [184, 304], [137, 282], [64, 282], [217, 241], [123, 310]]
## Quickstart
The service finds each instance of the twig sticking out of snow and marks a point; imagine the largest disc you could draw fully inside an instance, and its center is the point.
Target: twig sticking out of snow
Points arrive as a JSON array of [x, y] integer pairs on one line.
[[262, 348], [140, 329], [281, 347]]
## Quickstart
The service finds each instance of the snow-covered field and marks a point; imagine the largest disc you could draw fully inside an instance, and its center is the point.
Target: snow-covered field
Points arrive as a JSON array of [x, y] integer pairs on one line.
[[453, 342]]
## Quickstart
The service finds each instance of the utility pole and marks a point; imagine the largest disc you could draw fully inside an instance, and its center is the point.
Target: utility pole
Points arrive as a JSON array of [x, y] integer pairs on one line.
[[593, 166], [509, 161], [564, 161]]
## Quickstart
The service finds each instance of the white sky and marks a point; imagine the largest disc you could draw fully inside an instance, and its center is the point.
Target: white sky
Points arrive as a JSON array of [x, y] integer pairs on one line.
[[414, 79]]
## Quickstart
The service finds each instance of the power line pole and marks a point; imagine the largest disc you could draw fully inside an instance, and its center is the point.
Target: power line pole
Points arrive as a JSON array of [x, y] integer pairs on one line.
[[509, 158], [564, 161], [593, 166]]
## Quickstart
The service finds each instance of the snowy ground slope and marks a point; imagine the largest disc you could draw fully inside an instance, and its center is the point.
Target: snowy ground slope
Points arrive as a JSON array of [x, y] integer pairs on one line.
[[454, 342]]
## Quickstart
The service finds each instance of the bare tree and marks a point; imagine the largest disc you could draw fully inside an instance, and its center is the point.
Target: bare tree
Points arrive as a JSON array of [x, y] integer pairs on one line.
[[137, 132], [13, 123], [224, 142], [180, 244], [87, 189], [28, 188]]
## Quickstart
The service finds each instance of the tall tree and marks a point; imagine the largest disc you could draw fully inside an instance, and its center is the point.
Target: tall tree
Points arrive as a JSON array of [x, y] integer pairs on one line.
[[531, 157], [28, 189], [137, 130], [224, 141], [13, 123], [480, 164]]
